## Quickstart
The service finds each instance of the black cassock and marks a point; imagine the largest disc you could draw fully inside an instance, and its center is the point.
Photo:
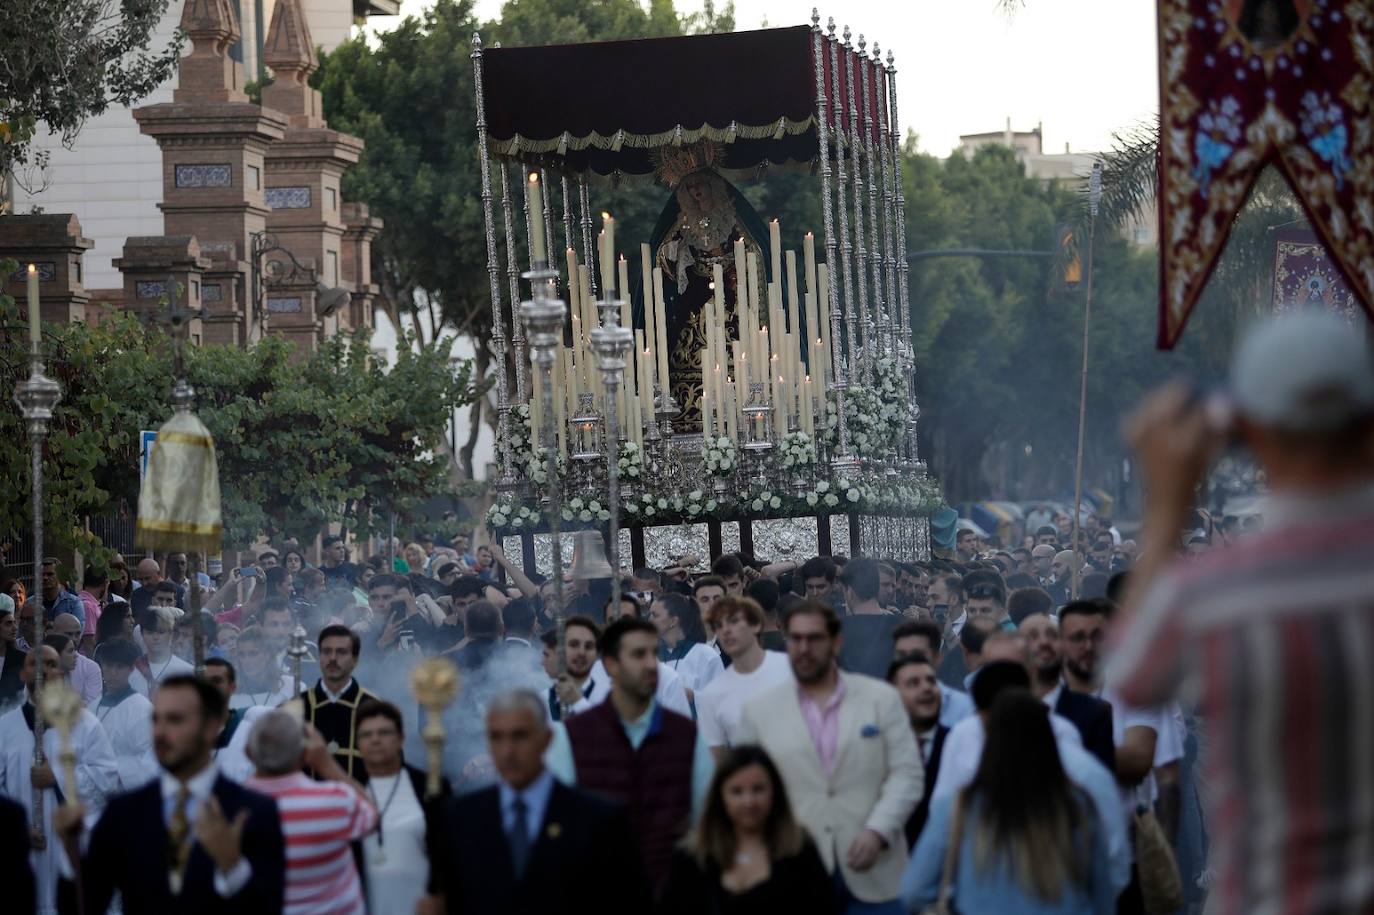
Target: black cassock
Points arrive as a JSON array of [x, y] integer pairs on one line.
[[337, 722]]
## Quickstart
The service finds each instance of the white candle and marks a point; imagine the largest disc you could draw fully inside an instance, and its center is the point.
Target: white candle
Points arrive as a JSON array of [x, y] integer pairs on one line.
[[647, 279], [35, 312], [808, 409], [535, 197], [574, 306], [811, 331], [775, 249], [661, 328], [624, 291], [607, 255], [809, 264], [536, 410], [823, 332]]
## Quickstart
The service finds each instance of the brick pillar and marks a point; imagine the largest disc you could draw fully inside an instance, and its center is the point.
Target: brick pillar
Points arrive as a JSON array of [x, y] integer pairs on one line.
[[214, 145], [361, 229], [150, 263], [304, 170], [54, 244]]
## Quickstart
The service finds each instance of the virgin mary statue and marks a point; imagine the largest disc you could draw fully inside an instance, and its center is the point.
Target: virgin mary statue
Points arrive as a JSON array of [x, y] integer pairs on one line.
[[696, 231]]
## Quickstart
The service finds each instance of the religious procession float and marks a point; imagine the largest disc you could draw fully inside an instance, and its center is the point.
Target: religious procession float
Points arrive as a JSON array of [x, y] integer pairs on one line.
[[730, 383]]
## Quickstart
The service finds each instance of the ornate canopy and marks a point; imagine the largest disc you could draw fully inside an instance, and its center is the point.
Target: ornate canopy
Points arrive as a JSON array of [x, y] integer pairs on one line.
[[602, 107]]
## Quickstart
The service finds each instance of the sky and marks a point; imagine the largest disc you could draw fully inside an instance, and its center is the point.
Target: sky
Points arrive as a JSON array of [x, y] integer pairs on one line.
[[1081, 68]]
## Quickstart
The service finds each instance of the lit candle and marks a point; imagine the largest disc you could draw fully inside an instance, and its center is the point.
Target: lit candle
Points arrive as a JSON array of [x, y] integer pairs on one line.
[[811, 331], [624, 291], [740, 295], [535, 196], [823, 331], [761, 359], [574, 306], [647, 279], [779, 408], [793, 296], [35, 313], [808, 409], [607, 255], [775, 249], [809, 264]]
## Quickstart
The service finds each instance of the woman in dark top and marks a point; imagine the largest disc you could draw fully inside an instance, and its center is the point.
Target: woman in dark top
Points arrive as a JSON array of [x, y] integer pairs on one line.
[[747, 854]]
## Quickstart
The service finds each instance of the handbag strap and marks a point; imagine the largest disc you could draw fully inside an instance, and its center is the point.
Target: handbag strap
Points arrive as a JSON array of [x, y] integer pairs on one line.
[[956, 839]]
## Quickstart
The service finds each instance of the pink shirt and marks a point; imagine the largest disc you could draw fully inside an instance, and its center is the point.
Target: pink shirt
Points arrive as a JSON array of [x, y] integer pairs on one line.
[[92, 608], [824, 724]]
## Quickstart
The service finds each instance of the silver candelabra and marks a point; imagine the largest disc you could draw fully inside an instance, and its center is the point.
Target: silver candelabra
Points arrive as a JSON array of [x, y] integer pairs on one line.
[[542, 317], [611, 343]]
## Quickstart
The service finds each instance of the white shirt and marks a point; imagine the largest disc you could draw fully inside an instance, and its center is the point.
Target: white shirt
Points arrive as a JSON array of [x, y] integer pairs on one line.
[[1157, 719], [699, 667], [170, 667], [396, 857], [272, 699], [198, 789], [720, 704], [963, 751], [669, 694], [129, 725]]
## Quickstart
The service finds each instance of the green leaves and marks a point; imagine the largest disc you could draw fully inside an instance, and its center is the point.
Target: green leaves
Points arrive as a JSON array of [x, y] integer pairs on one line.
[[302, 440]]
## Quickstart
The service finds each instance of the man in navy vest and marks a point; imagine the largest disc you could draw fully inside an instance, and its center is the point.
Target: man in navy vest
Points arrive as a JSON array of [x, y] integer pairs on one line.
[[634, 752]]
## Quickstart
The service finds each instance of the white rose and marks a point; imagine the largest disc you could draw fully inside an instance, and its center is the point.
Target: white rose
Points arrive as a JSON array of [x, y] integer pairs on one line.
[[711, 505], [811, 498], [604, 515], [830, 500], [584, 515], [775, 502], [853, 495], [518, 523], [758, 505]]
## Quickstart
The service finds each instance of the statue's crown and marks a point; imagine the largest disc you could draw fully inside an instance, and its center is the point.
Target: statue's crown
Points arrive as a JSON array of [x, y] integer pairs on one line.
[[674, 163]]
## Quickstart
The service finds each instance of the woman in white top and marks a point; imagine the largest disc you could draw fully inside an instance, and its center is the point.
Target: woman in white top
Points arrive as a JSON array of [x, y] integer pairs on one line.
[[684, 642], [396, 855]]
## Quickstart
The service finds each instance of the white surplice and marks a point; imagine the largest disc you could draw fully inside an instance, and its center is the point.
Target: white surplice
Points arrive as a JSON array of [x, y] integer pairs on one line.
[[129, 725], [97, 778]]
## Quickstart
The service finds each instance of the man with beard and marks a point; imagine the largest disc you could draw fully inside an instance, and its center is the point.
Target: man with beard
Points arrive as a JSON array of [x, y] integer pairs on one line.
[[1090, 715], [580, 636], [844, 747], [331, 705], [634, 752], [190, 840], [920, 688], [262, 683]]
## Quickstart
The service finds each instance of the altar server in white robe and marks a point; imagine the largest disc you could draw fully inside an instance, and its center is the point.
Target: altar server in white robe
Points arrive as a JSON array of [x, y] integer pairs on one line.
[[126, 715], [97, 774]]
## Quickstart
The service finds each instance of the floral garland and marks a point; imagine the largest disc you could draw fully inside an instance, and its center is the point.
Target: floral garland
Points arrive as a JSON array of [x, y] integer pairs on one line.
[[797, 451], [875, 415], [631, 462]]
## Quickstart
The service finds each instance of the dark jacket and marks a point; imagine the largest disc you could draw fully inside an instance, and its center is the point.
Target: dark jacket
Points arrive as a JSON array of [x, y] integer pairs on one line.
[[128, 852], [653, 783], [10, 685], [797, 884], [917, 821], [20, 895], [581, 837], [1093, 718]]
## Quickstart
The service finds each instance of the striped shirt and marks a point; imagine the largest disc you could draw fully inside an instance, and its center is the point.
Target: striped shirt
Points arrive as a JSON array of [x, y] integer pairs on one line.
[[1275, 638], [319, 821]]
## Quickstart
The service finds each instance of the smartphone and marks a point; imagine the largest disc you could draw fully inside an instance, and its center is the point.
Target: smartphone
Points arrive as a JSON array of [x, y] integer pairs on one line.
[[941, 614], [399, 608], [251, 572], [405, 639]]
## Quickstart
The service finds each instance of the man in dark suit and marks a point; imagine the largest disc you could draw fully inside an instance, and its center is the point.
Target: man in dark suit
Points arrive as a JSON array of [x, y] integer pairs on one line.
[[190, 841], [20, 893], [918, 683], [1090, 715], [529, 845]]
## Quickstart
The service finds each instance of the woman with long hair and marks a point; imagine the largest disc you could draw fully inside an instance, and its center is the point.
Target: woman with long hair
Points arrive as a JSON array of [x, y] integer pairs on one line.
[[116, 622], [747, 854], [121, 585], [1025, 840]]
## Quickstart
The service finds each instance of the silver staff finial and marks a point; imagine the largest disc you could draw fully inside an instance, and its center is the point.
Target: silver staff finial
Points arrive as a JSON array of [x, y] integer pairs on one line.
[[890, 65], [862, 44], [815, 19], [477, 42], [830, 27], [847, 35], [1095, 189]]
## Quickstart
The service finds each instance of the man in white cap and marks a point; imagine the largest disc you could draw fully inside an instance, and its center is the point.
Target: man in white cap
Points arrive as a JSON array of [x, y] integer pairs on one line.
[[1275, 632]]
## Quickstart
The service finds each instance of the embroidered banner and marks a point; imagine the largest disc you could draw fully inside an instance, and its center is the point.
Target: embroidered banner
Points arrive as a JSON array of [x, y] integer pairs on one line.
[[1305, 277], [1244, 83]]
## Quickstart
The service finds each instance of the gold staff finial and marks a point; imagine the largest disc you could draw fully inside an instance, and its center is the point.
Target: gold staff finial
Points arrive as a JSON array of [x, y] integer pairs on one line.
[[435, 683]]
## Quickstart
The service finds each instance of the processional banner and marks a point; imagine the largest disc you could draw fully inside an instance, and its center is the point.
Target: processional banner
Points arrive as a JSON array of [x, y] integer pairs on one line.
[[1246, 83]]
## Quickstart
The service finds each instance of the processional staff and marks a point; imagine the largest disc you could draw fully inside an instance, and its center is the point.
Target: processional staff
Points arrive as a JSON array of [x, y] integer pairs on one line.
[[37, 396], [61, 705]]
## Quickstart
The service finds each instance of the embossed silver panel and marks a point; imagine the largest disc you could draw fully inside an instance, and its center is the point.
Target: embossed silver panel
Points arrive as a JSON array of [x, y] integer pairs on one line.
[[785, 538], [198, 176], [288, 305], [150, 289], [839, 534]]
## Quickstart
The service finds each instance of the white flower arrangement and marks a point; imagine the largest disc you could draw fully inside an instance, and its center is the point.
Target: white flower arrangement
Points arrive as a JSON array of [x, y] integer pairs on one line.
[[875, 415], [507, 513], [697, 503], [585, 511], [631, 461], [718, 455], [797, 451]]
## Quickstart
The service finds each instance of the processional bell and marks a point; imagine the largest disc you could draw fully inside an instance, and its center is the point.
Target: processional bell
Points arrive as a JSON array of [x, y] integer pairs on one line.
[[589, 557]]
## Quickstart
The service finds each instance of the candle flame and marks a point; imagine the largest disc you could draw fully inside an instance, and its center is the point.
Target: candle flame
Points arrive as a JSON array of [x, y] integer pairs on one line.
[[605, 215], [534, 177], [33, 268]]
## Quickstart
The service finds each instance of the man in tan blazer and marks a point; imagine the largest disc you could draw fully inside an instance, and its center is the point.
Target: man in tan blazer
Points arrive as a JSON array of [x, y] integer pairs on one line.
[[848, 758]]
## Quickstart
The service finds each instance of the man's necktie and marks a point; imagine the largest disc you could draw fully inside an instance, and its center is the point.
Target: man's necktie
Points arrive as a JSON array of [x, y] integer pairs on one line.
[[519, 836], [178, 840]]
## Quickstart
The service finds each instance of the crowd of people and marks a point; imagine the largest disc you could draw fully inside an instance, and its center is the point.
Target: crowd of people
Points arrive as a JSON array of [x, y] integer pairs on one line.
[[996, 729]]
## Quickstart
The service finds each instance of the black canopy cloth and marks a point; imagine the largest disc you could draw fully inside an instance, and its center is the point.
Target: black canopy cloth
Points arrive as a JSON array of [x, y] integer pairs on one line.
[[601, 107]]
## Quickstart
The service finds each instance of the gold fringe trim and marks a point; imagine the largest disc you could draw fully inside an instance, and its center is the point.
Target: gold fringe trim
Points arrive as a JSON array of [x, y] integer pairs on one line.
[[678, 136], [184, 438], [166, 540]]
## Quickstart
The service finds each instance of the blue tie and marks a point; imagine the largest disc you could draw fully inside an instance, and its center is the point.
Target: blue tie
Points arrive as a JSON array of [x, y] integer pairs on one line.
[[519, 836]]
